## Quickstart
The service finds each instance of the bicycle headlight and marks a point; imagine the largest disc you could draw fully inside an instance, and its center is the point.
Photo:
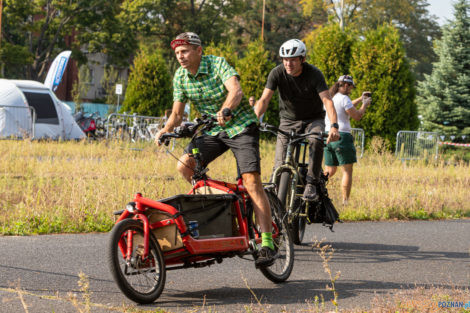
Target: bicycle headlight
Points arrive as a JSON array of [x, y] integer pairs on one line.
[[131, 207]]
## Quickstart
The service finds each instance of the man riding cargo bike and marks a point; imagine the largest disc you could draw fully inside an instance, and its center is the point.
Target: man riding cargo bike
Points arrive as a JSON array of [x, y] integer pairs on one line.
[[212, 85], [215, 219]]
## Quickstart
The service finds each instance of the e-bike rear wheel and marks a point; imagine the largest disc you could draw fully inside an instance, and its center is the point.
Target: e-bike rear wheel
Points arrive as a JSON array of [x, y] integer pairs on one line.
[[141, 280], [283, 265]]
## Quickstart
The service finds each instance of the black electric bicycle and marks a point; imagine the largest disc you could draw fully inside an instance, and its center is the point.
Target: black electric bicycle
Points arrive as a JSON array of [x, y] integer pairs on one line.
[[290, 179]]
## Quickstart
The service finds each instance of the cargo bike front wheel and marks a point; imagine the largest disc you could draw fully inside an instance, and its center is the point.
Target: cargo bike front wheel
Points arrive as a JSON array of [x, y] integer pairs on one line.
[[140, 279]]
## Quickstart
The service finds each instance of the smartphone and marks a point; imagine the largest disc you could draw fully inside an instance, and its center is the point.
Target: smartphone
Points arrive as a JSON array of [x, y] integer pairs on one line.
[[368, 94]]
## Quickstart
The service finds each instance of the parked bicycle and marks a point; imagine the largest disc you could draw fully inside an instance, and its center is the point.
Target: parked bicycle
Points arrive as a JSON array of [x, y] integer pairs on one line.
[[138, 130], [215, 220], [87, 123], [290, 179]]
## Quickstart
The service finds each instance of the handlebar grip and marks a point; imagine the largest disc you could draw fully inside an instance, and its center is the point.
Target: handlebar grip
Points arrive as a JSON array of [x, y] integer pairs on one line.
[[267, 126], [165, 141], [165, 138], [226, 112]]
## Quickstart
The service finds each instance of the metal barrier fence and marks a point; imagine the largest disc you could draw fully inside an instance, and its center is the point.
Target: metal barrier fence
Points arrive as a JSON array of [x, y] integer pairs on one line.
[[133, 127], [358, 135], [15, 122], [415, 145]]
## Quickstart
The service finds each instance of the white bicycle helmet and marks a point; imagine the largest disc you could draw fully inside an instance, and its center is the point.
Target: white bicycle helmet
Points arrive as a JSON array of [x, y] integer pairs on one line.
[[292, 48]]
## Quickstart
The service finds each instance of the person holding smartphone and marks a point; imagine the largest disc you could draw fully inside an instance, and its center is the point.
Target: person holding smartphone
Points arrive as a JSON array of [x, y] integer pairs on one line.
[[343, 153]]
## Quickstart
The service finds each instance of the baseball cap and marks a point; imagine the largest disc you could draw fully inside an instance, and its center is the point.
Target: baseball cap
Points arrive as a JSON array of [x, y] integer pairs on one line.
[[346, 79], [187, 38]]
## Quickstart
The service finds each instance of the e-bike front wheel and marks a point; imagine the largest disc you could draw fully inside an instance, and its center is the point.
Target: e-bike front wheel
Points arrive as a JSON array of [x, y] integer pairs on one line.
[[282, 267], [298, 223], [283, 188], [140, 279]]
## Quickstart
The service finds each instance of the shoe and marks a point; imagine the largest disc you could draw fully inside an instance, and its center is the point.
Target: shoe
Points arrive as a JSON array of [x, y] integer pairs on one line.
[[310, 193], [266, 257]]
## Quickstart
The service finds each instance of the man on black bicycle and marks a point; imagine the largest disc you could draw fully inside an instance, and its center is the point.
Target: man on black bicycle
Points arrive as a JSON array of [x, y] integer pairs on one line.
[[212, 85], [303, 93]]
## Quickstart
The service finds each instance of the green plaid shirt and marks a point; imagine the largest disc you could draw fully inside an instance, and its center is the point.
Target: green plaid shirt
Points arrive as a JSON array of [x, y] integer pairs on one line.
[[207, 92]]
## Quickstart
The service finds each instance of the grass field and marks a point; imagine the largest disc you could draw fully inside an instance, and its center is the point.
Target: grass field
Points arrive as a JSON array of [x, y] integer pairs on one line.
[[56, 187]]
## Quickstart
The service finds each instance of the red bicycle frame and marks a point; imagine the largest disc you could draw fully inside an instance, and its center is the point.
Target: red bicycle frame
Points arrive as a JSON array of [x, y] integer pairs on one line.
[[196, 249]]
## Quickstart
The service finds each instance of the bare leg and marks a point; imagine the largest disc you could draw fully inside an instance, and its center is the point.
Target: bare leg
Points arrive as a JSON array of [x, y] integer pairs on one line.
[[346, 183], [185, 166], [330, 170], [252, 183]]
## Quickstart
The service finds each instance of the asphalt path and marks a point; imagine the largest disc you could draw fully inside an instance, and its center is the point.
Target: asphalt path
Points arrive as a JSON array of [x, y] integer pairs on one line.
[[375, 258]]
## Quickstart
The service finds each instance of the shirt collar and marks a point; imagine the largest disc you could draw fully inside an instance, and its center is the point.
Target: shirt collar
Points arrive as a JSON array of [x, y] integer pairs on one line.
[[203, 67]]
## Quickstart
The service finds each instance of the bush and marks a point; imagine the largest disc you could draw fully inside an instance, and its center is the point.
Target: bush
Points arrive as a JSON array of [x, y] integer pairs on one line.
[[379, 65], [149, 90], [329, 49]]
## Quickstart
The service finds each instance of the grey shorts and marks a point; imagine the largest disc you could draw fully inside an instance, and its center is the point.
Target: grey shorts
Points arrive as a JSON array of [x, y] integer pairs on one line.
[[245, 148]]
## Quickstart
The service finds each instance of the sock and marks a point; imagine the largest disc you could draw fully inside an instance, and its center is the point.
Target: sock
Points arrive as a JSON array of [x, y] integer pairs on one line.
[[267, 240]]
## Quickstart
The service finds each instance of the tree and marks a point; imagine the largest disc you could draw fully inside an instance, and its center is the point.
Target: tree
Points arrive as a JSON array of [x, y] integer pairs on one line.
[[329, 49], [149, 89], [283, 21], [254, 69], [14, 60], [444, 96], [379, 65], [108, 82], [38, 30], [341, 11], [80, 87], [417, 28], [225, 50], [162, 20]]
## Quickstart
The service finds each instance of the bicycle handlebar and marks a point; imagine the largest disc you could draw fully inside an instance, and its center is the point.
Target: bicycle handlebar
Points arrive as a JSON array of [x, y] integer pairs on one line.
[[183, 131]]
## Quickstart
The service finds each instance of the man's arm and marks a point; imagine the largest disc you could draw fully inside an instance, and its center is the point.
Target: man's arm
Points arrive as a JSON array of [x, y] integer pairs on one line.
[[175, 119], [325, 97], [234, 97], [262, 104]]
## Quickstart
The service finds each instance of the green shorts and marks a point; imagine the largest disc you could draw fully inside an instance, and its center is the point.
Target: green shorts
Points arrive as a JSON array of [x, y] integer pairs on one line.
[[340, 152]]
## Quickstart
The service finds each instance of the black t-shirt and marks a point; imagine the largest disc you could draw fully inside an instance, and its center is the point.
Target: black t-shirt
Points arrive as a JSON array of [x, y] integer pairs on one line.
[[299, 99]]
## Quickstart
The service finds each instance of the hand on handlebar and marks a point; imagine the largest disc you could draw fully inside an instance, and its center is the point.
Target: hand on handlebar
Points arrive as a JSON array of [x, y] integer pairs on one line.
[[333, 135], [223, 116], [158, 136]]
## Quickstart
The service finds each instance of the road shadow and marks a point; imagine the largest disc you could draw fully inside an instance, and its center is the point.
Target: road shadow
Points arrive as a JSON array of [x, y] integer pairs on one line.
[[379, 253]]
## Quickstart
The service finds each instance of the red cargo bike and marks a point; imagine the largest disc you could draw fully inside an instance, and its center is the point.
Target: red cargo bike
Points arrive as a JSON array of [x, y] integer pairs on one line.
[[213, 221]]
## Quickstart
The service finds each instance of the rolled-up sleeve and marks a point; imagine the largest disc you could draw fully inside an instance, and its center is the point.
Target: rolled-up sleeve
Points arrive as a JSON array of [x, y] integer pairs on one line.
[[178, 92], [225, 70]]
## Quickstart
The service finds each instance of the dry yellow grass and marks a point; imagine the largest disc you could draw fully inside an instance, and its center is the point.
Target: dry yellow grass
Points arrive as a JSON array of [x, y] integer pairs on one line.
[[75, 186]]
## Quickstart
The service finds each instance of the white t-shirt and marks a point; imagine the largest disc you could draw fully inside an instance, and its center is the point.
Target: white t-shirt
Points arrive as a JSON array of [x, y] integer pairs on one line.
[[342, 103]]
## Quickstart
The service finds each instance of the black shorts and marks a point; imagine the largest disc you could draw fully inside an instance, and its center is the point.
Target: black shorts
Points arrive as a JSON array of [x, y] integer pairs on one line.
[[245, 148]]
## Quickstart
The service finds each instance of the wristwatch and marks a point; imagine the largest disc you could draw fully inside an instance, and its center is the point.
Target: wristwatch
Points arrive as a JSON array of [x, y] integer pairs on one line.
[[335, 125]]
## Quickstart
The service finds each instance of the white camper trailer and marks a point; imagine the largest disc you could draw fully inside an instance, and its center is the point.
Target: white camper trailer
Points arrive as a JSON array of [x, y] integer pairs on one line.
[[53, 118]]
